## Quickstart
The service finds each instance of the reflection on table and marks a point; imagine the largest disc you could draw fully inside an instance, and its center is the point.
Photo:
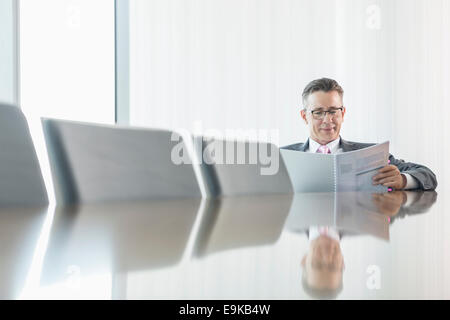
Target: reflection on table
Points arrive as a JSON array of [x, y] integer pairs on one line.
[[272, 246], [20, 230]]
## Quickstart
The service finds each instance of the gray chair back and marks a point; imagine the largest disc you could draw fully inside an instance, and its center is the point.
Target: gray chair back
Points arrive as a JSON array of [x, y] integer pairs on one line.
[[100, 163], [21, 182], [233, 168]]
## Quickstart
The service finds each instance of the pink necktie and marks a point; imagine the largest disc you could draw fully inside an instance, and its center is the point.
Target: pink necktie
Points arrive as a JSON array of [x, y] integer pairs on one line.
[[323, 149]]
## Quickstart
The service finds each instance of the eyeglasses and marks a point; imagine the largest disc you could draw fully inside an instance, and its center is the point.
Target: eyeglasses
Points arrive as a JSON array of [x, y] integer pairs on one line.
[[321, 114]]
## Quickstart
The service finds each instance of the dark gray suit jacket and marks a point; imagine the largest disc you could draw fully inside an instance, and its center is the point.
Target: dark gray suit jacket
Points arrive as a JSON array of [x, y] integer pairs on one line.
[[424, 176], [423, 202]]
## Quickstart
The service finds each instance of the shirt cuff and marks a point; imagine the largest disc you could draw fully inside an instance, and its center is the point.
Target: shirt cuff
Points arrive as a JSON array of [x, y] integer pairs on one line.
[[411, 197], [411, 183]]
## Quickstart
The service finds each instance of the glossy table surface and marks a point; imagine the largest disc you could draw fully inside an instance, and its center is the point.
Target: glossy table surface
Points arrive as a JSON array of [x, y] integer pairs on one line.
[[392, 246]]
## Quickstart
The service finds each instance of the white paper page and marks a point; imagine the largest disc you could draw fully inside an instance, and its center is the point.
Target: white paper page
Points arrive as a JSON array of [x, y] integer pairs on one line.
[[355, 169], [310, 172]]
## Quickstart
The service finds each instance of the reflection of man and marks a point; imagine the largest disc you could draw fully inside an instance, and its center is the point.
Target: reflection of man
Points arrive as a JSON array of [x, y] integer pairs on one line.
[[389, 203], [323, 265], [324, 112], [399, 204]]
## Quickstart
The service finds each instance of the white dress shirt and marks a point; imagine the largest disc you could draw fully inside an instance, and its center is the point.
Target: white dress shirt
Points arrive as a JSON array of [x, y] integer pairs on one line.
[[411, 183], [316, 231], [333, 146]]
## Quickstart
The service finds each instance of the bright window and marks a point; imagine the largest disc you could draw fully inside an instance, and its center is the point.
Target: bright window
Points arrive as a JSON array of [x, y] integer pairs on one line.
[[67, 65], [67, 59]]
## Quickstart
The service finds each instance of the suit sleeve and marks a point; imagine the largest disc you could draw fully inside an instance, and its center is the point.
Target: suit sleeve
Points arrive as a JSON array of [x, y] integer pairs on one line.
[[424, 176], [422, 203]]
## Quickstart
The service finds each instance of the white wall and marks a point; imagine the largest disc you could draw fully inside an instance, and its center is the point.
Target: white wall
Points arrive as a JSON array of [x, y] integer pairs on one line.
[[244, 63], [8, 62]]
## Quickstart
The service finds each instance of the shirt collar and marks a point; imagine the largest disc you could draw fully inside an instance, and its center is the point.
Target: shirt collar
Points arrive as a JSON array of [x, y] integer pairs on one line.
[[333, 145], [316, 231]]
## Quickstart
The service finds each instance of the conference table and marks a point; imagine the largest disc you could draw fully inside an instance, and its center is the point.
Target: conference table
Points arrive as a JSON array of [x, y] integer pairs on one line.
[[394, 246]]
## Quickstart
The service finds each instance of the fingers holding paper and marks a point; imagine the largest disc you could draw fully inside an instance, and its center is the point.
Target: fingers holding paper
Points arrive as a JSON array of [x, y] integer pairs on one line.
[[390, 176]]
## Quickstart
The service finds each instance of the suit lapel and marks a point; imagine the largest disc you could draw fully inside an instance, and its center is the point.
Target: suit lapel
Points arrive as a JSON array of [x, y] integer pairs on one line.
[[304, 147], [347, 146]]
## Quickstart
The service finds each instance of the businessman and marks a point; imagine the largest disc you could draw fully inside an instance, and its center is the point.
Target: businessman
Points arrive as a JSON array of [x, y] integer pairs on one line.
[[323, 112]]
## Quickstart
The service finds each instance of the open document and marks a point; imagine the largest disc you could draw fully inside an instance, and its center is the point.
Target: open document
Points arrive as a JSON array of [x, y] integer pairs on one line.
[[348, 171], [351, 213]]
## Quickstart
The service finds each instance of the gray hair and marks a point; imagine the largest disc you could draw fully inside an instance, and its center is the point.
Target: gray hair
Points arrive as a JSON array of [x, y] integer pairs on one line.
[[324, 294], [323, 84]]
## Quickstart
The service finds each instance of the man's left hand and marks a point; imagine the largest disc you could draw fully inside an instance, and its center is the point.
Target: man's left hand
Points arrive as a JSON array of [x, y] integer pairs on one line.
[[390, 176]]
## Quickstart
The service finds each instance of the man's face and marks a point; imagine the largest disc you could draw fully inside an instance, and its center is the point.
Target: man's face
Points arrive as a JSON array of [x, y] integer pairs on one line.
[[327, 129], [324, 263]]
